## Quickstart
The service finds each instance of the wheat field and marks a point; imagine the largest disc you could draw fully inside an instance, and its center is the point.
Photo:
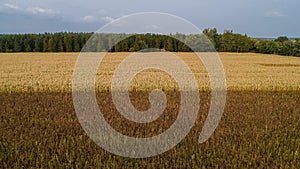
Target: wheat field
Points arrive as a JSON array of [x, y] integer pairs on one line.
[[259, 128], [53, 71]]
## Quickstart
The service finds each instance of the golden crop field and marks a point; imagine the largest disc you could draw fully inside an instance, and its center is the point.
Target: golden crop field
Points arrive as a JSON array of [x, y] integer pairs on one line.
[[260, 127], [53, 71]]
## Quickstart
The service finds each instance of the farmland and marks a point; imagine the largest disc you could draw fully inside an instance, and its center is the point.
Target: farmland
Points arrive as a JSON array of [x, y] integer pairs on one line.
[[260, 127]]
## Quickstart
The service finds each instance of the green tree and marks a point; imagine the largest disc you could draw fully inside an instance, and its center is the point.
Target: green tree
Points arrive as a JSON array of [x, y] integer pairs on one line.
[[38, 45], [60, 46], [76, 44], [68, 43], [281, 39], [296, 49], [287, 48], [51, 46], [45, 45], [213, 36], [17, 46], [1, 45], [170, 45]]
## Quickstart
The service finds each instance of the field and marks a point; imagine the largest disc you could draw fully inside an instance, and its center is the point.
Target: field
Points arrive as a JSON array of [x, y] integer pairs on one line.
[[260, 127]]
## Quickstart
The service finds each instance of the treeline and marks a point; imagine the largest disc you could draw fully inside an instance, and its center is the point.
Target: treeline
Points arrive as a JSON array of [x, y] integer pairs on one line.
[[74, 42], [230, 42], [47, 42]]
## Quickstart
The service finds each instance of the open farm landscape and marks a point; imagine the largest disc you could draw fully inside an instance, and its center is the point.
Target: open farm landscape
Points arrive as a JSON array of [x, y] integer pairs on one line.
[[260, 127], [149, 84]]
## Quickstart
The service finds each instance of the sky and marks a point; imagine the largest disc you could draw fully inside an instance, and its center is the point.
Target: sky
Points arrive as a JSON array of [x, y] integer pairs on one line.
[[256, 18]]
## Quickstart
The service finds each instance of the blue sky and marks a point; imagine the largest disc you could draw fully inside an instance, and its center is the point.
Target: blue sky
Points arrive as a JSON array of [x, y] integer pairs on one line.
[[256, 18]]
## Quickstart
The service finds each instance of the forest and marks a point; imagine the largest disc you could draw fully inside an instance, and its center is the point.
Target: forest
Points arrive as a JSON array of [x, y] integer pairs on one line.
[[228, 41]]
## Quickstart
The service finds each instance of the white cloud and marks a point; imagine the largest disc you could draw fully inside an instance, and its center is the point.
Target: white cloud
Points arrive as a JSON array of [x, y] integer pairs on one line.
[[90, 19], [107, 19], [11, 6], [38, 10], [30, 10], [93, 19], [274, 14]]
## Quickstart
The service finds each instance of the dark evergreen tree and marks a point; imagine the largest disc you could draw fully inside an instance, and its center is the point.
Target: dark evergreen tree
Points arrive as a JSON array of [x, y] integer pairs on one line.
[[281, 39]]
